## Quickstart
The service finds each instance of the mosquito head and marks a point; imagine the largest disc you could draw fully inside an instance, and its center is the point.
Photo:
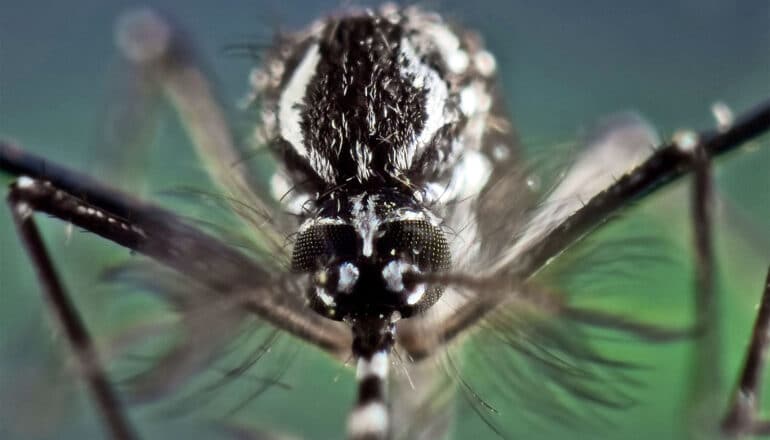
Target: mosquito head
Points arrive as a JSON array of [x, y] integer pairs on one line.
[[357, 252]]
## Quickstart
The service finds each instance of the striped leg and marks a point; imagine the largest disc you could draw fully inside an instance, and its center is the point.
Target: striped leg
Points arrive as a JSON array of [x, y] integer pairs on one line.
[[67, 317]]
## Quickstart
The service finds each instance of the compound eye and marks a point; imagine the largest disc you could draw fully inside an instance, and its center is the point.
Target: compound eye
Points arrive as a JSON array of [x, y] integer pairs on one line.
[[318, 245], [413, 246], [417, 242]]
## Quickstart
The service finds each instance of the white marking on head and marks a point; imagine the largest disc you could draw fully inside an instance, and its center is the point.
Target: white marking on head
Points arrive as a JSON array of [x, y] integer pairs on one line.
[[347, 277], [371, 419], [393, 273], [327, 299], [415, 295], [377, 366], [321, 221], [330, 221], [289, 105], [365, 221], [407, 214]]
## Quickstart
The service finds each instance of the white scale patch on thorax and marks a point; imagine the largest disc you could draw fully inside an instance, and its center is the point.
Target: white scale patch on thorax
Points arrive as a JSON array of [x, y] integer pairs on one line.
[[449, 46], [290, 113], [424, 77], [469, 176], [289, 106], [281, 189]]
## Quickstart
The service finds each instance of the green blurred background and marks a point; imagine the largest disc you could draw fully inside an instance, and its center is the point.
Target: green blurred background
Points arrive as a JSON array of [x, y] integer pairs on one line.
[[563, 65]]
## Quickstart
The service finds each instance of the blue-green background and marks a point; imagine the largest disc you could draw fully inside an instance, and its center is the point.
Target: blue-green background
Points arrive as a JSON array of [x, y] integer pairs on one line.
[[563, 64]]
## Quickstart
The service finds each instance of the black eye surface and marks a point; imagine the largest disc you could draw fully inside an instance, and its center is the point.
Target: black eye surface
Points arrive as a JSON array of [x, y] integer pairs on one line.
[[319, 244], [418, 242]]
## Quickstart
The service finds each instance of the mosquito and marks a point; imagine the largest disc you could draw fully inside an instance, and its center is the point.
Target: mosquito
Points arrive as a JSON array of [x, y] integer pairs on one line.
[[399, 219]]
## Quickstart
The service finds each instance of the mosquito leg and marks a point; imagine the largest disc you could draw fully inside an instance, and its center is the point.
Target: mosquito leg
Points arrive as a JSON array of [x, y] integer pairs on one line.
[[497, 284], [702, 215], [160, 235], [69, 320], [740, 417], [160, 51], [666, 164], [706, 383]]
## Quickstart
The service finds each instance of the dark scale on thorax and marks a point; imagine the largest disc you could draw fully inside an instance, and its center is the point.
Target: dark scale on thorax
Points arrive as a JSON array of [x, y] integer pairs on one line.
[[382, 120], [362, 111], [372, 111]]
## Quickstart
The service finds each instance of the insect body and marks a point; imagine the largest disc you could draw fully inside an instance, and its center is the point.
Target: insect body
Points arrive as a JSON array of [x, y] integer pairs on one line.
[[399, 181], [382, 121]]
